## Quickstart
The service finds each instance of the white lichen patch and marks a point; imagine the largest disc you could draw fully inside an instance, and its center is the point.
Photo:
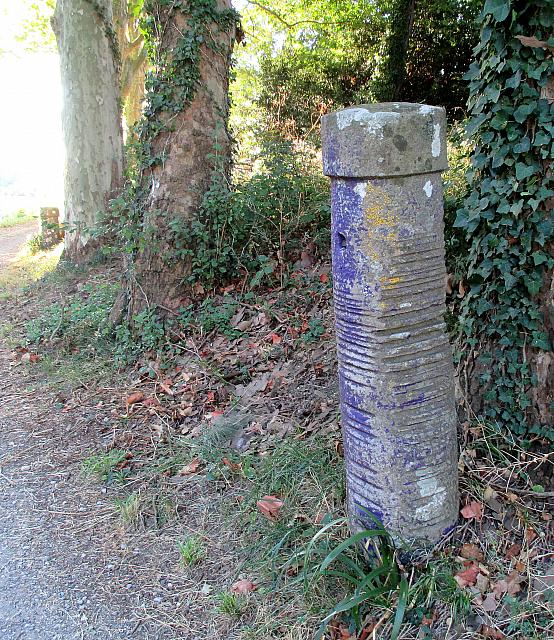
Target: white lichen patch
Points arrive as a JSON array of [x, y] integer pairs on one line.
[[361, 189], [429, 488], [425, 109], [373, 122], [428, 188], [403, 335], [436, 143], [429, 511]]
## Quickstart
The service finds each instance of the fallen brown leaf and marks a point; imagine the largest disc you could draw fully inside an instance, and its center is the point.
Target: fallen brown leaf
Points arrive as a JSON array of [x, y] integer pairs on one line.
[[138, 396], [513, 551], [235, 467], [530, 535], [191, 467], [482, 583], [491, 632], [270, 506], [473, 510], [514, 579], [490, 603], [243, 587], [471, 552], [468, 577], [500, 588]]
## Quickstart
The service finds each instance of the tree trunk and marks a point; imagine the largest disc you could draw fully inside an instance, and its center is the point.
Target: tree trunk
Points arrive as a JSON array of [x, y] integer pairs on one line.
[[91, 117], [187, 132], [392, 71], [134, 60]]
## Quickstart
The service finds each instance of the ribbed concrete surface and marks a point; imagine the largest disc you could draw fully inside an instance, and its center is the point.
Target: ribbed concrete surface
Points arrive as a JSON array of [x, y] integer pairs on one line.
[[395, 362]]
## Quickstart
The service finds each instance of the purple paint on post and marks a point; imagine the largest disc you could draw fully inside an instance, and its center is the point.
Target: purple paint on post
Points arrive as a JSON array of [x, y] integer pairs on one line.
[[395, 363]]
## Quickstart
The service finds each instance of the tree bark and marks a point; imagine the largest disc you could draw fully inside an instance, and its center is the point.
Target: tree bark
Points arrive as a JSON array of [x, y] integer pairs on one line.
[[392, 72], [187, 141], [134, 61], [91, 117]]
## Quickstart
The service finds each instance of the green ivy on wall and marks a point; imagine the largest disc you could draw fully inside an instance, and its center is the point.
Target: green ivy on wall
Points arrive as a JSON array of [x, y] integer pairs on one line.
[[507, 216]]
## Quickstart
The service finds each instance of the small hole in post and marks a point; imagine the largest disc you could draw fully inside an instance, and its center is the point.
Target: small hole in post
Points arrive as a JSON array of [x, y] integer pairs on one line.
[[342, 240]]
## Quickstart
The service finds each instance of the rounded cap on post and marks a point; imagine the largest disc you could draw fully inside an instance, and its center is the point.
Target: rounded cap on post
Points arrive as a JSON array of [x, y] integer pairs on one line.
[[385, 139]]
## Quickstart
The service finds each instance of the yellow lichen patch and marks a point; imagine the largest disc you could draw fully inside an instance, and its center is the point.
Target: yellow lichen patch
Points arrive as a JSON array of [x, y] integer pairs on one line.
[[390, 281], [379, 217]]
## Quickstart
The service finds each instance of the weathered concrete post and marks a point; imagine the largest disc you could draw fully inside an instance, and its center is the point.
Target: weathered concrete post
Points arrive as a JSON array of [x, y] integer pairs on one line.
[[50, 228], [395, 362]]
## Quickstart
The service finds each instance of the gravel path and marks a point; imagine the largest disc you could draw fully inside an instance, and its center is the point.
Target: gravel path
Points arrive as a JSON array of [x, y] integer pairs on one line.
[[59, 577], [13, 238], [49, 571]]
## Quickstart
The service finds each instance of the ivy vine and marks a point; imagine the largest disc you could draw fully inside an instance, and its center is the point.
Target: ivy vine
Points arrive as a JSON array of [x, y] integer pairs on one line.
[[507, 216], [170, 88]]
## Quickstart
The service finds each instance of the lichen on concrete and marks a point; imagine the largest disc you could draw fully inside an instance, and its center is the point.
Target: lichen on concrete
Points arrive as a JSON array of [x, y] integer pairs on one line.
[[395, 362]]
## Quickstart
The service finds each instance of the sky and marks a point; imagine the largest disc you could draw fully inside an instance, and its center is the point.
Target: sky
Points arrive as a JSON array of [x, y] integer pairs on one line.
[[31, 142]]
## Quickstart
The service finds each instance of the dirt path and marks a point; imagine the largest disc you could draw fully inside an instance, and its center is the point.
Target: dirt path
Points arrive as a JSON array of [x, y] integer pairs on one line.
[[13, 238], [64, 575]]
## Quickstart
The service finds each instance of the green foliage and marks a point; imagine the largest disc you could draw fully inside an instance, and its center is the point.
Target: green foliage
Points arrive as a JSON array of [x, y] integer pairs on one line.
[[231, 604], [104, 466], [79, 322], [26, 27], [21, 216], [345, 562], [328, 55], [324, 55], [391, 70], [507, 217], [35, 243], [456, 190], [129, 509], [444, 33], [192, 550], [257, 230]]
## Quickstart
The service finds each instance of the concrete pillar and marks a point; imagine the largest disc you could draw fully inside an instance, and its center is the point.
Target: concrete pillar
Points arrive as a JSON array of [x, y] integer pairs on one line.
[[395, 362], [50, 228]]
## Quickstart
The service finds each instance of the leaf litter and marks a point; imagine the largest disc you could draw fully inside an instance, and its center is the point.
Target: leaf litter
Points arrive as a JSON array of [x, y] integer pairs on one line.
[[275, 380]]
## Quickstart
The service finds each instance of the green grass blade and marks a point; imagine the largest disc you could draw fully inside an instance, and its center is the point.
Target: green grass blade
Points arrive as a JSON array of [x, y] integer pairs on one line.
[[344, 605], [400, 609], [357, 537]]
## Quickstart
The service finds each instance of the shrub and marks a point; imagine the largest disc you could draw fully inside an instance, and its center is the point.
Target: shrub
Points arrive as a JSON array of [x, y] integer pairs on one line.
[[260, 227]]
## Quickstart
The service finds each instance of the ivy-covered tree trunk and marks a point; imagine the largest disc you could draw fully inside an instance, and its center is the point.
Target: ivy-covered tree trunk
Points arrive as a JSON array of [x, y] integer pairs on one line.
[[507, 316], [91, 116], [184, 143], [392, 69]]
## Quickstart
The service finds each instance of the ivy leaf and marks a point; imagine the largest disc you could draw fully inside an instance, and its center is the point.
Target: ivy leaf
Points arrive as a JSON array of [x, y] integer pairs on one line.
[[539, 257], [524, 171], [475, 123], [533, 285], [473, 72], [524, 111], [514, 81], [522, 146], [499, 9]]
